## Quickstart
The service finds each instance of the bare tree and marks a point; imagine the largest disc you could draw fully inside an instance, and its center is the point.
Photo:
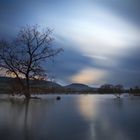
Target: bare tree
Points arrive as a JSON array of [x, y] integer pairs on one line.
[[118, 90], [24, 57]]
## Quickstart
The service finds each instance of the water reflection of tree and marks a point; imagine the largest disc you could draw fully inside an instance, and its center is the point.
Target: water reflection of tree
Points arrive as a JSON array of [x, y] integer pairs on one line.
[[27, 116], [34, 116], [26, 132]]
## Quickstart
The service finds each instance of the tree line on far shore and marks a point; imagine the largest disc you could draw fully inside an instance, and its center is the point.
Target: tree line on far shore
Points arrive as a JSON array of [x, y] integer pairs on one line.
[[46, 87], [118, 89]]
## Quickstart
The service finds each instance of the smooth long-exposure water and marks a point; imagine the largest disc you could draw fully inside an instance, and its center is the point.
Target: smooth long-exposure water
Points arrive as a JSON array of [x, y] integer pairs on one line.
[[74, 117]]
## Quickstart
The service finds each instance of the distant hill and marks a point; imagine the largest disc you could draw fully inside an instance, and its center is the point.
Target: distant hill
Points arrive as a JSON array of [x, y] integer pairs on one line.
[[77, 87], [6, 80], [49, 84], [42, 86], [9, 85], [5, 83]]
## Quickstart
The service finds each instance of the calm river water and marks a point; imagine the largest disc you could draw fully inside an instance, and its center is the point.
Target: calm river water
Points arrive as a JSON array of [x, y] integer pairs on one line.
[[74, 117]]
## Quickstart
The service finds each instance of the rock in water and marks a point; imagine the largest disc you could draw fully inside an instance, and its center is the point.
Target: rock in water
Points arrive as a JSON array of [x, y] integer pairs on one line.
[[58, 98]]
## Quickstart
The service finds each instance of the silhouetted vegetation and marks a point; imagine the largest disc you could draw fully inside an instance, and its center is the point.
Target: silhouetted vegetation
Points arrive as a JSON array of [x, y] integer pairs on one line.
[[135, 91], [11, 85], [108, 88], [23, 57]]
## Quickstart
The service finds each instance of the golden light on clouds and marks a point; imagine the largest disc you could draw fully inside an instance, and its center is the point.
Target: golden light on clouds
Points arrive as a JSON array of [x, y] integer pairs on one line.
[[3, 72], [88, 76]]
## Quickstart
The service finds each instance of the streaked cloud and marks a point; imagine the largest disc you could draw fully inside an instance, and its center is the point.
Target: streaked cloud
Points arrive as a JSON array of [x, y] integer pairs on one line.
[[103, 33], [100, 37]]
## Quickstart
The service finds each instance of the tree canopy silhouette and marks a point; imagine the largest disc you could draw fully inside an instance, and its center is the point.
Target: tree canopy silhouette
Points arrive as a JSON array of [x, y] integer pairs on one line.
[[23, 57]]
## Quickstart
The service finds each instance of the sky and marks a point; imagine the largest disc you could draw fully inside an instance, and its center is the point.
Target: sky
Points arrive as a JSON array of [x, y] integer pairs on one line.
[[100, 38]]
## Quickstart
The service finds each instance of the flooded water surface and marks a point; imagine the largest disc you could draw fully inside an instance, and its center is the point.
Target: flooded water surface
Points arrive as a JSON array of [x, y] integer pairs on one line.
[[74, 117]]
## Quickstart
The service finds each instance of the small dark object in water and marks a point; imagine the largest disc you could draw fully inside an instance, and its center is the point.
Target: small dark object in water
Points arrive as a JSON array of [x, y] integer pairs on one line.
[[58, 98]]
